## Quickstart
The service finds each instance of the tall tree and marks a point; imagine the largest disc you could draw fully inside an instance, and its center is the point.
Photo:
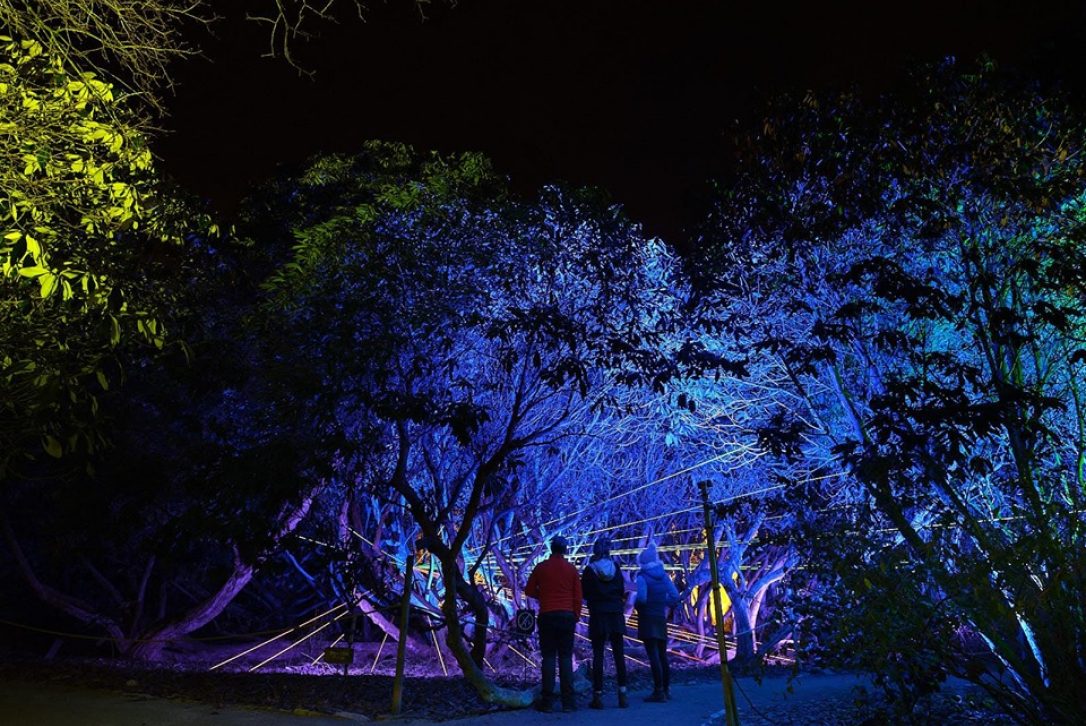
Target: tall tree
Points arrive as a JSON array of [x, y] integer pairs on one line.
[[440, 329], [917, 272], [82, 248]]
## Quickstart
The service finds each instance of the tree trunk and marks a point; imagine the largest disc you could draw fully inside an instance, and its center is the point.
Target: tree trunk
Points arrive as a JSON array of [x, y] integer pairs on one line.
[[471, 594], [150, 645], [67, 604], [489, 691], [746, 648], [387, 625]]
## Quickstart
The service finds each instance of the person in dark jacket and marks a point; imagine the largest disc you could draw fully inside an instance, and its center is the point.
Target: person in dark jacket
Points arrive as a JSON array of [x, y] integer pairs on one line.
[[655, 594], [556, 585], [605, 592]]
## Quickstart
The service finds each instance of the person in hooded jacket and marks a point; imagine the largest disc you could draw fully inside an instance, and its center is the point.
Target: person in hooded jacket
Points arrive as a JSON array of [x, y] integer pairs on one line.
[[604, 590], [655, 594]]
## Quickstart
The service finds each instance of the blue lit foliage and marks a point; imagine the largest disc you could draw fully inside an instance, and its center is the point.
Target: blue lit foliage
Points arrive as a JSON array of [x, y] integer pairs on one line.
[[443, 334], [916, 275]]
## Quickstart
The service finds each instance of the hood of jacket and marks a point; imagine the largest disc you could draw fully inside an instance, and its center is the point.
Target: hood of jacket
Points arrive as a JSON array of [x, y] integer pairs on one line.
[[654, 570], [605, 569]]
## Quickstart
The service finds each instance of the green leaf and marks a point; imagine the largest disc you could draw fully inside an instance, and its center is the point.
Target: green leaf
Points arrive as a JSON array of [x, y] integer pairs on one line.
[[52, 447], [48, 283]]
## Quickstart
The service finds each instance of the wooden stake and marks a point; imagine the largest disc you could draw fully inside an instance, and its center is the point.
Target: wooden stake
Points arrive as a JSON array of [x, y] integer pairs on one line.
[[401, 643], [731, 716]]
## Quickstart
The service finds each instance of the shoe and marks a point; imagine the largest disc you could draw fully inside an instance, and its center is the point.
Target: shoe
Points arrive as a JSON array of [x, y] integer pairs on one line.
[[597, 700], [623, 702], [656, 697], [569, 707], [544, 705]]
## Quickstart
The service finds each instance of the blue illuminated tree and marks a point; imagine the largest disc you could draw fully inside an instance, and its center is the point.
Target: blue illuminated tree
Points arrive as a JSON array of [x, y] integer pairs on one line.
[[441, 332], [916, 273]]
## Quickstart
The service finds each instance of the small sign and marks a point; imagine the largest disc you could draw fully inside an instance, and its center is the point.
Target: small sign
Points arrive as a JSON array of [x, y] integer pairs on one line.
[[524, 621], [339, 656]]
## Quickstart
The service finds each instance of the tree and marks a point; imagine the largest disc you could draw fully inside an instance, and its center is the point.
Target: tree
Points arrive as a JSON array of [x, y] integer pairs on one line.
[[80, 250], [917, 272], [130, 43], [442, 330]]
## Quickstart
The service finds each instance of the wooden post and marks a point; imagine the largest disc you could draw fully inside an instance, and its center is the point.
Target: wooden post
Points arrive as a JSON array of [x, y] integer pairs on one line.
[[401, 643], [350, 644], [731, 716]]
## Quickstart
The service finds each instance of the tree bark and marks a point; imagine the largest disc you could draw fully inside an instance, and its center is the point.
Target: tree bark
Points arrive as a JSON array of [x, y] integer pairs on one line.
[[489, 691]]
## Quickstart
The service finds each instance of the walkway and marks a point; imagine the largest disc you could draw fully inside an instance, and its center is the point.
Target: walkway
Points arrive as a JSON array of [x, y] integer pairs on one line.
[[54, 705]]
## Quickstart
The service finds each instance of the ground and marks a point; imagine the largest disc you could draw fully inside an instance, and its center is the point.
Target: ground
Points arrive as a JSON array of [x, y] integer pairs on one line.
[[93, 694]]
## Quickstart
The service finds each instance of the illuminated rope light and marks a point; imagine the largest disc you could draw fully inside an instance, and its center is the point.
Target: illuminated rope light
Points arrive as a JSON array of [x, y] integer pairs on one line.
[[378, 656], [520, 551], [440, 657], [678, 634], [642, 487], [686, 655], [526, 658], [624, 655], [277, 637], [394, 558], [675, 632], [686, 510], [333, 645], [314, 541], [296, 643]]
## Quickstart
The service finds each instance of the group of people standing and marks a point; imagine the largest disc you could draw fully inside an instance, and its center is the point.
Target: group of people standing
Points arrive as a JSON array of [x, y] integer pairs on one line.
[[561, 592]]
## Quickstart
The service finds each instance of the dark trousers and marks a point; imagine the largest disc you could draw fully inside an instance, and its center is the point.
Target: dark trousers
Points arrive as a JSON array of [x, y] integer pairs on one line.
[[556, 642], [617, 651], [661, 671]]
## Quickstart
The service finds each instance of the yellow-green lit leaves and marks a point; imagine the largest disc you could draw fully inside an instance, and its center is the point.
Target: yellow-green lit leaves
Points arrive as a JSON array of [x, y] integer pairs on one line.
[[75, 175], [78, 207]]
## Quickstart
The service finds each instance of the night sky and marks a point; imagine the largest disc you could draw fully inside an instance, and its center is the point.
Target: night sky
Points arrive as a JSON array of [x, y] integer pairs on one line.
[[636, 97]]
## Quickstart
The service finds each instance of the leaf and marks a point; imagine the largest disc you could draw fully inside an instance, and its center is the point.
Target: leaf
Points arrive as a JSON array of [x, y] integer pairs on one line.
[[48, 283], [52, 447]]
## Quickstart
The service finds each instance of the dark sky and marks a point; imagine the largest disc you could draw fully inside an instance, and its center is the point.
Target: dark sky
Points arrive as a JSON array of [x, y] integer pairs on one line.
[[634, 96]]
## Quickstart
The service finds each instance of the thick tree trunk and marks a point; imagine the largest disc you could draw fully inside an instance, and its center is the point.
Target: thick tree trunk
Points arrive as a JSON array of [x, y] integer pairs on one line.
[[471, 594], [487, 689], [150, 644], [67, 604], [745, 647], [387, 625]]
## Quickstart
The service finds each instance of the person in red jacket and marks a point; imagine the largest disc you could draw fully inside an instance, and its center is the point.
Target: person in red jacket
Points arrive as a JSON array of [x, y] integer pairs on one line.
[[556, 584]]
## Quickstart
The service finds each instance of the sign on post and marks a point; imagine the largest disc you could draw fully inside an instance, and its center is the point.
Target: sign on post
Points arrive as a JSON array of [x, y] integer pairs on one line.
[[524, 621], [339, 656]]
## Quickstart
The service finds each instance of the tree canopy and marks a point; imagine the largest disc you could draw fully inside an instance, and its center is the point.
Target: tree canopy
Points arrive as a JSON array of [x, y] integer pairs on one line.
[[916, 271]]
